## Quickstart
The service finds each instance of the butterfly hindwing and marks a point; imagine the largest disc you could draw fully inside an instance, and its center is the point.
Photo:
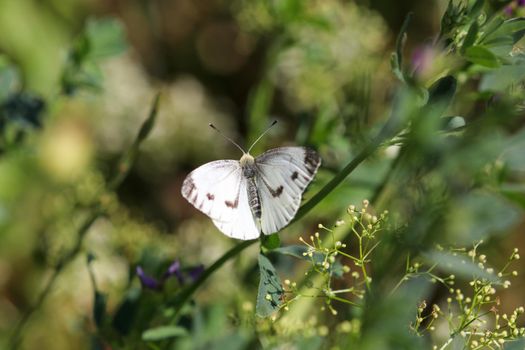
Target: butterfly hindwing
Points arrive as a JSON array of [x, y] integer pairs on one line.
[[218, 189], [283, 174]]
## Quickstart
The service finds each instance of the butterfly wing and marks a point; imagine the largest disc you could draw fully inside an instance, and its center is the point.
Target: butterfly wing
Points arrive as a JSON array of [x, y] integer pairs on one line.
[[218, 189], [283, 174]]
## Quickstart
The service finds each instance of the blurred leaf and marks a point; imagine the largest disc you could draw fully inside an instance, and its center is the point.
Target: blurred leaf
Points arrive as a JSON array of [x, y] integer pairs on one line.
[[8, 78], [101, 39], [441, 94], [518, 344], [476, 8], [479, 214], [163, 332], [452, 123], [460, 265], [513, 28], [453, 17], [515, 193], [99, 308], [270, 289], [288, 10], [471, 36], [105, 37], [397, 57], [482, 56], [490, 27], [271, 242], [513, 152], [126, 312], [24, 109], [500, 79]]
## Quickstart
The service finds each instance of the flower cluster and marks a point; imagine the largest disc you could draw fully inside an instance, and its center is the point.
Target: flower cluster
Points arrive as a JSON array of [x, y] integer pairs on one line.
[[351, 241], [472, 314]]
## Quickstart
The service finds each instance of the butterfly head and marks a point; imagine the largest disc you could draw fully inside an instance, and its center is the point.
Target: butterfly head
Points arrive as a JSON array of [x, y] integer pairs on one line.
[[246, 160], [248, 165]]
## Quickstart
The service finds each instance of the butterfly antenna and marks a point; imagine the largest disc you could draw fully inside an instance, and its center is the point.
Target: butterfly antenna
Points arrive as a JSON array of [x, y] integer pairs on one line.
[[264, 133], [226, 137]]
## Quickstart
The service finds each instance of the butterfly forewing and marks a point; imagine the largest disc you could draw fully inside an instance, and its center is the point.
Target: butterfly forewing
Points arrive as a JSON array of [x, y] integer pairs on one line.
[[283, 174], [218, 189]]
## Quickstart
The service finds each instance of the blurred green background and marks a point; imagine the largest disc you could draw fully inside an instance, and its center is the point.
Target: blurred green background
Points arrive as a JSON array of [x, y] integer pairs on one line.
[[77, 79]]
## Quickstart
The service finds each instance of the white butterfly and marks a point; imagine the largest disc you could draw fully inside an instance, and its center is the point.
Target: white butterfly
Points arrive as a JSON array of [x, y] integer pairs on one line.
[[251, 196]]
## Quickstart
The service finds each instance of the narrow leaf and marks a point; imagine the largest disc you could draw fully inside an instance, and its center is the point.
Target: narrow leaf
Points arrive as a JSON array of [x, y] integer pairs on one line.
[[163, 332], [99, 308], [470, 38]]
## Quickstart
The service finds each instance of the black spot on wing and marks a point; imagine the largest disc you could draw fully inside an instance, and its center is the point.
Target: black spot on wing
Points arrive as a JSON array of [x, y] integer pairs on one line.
[[231, 204], [210, 196], [189, 188], [311, 161], [295, 175], [277, 192]]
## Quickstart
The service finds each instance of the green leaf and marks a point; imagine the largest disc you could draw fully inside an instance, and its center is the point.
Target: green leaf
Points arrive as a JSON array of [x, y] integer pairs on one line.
[[270, 289], [491, 27], [271, 242], [476, 8], [105, 38], [459, 265], [515, 193], [397, 57], [127, 312], [441, 93], [482, 56], [480, 214], [163, 332], [518, 344], [513, 28], [9, 78], [470, 38], [501, 78], [99, 308]]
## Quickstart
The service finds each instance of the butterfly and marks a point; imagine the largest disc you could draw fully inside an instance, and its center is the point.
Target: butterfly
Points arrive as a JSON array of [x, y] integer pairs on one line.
[[253, 195]]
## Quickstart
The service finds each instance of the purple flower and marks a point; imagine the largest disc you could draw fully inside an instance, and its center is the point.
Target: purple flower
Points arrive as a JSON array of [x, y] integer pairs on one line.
[[521, 3], [173, 270], [196, 272], [422, 59], [147, 281], [508, 10]]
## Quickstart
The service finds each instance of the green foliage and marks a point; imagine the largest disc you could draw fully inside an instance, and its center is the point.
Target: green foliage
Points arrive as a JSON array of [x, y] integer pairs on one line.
[[101, 39]]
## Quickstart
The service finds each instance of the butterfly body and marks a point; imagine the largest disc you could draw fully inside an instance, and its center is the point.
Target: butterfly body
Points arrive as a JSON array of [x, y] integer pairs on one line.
[[255, 194]]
